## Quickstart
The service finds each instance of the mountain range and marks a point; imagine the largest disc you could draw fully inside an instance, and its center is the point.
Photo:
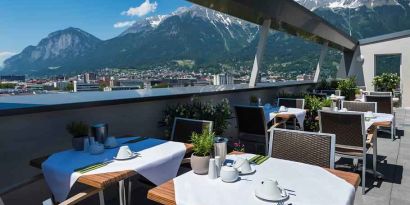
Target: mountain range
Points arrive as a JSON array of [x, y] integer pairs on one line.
[[210, 39]]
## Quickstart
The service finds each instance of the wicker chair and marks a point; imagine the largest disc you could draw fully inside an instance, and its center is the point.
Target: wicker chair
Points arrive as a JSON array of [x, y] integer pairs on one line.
[[381, 93], [352, 140], [360, 106], [384, 105], [330, 92], [305, 147], [184, 127], [293, 103], [290, 102], [252, 127]]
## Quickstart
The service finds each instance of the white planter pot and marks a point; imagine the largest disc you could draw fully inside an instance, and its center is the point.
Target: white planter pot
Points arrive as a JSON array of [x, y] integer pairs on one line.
[[200, 164]]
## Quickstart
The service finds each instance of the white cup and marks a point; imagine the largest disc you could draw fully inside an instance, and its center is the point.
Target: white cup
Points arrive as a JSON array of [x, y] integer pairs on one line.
[[282, 109], [269, 189], [124, 152], [242, 165]]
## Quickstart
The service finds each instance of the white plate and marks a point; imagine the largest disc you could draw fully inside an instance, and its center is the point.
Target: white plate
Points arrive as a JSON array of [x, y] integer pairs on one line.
[[284, 197], [134, 154], [253, 170]]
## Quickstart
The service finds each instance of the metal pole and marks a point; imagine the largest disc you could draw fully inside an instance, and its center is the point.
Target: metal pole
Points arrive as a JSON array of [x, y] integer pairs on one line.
[[101, 197], [264, 31], [323, 53]]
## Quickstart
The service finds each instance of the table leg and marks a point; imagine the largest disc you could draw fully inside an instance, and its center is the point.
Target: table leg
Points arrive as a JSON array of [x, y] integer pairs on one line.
[[121, 192], [129, 191], [101, 197]]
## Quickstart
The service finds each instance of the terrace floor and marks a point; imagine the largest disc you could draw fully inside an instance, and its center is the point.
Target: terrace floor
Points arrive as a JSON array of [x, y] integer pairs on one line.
[[394, 164]]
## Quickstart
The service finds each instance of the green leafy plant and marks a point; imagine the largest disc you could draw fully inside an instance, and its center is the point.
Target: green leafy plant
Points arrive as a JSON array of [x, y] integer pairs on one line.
[[77, 129], [386, 82], [323, 85], [348, 88], [253, 99], [218, 113], [203, 143], [313, 104]]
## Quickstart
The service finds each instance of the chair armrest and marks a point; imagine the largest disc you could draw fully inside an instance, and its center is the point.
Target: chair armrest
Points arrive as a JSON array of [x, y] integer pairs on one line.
[[80, 196], [277, 124]]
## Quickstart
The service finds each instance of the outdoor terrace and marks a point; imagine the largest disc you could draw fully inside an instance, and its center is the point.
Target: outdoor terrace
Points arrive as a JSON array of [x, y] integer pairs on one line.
[[44, 126]]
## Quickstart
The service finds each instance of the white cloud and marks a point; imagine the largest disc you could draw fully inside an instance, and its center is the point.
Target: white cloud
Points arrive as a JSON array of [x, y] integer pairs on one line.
[[4, 55], [141, 10], [123, 24]]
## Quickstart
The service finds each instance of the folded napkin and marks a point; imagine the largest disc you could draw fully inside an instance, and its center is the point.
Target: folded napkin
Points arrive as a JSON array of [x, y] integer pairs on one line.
[[258, 159], [136, 140], [92, 167]]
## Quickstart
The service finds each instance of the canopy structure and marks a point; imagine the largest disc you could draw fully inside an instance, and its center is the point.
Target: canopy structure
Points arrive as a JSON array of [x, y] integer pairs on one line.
[[287, 16]]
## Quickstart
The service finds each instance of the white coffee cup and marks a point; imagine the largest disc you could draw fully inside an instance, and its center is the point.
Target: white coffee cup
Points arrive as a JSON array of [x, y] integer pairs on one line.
[[124, 152], [229, 174], [282, 109], [269, 189], [242, 165]]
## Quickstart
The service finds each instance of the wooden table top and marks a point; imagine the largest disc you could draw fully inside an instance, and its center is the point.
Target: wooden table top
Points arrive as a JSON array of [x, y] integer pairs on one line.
[[103, 180], [165, 193]]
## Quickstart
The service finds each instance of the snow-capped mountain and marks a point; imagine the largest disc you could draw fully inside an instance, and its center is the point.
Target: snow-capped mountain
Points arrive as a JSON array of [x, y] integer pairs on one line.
[[216, 18], [337, 4], [209, 38]]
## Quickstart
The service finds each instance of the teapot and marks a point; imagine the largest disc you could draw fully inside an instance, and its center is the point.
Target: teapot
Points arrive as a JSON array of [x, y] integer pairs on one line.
[[229, 174]]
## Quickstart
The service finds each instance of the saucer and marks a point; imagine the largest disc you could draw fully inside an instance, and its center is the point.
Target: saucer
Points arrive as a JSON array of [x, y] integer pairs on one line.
[[111, 147], [253, 170], [134, 155], [283, 197]]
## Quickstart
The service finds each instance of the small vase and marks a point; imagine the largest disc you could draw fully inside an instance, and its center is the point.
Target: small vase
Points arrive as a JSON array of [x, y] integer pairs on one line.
[[200, 164], [78, 143]]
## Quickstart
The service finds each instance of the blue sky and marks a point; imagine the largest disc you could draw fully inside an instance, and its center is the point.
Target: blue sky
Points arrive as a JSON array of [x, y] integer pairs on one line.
[[26, 22]]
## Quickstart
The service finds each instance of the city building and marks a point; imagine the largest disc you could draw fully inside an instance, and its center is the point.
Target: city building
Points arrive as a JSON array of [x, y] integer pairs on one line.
[[223, 79], [82, 87], [13, 78]]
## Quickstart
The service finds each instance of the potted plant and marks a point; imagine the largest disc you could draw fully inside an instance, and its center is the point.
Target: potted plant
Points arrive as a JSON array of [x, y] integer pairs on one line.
[[386, 82], [253, 100], [203, 145], [79, 130], [219, 113], [348, 88]]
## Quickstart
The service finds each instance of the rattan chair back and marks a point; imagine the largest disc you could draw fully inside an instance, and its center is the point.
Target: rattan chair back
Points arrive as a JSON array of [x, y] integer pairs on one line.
[[305, 147], [360, 106], [347, 126], [184, 127], [293, 103], [384, 103]]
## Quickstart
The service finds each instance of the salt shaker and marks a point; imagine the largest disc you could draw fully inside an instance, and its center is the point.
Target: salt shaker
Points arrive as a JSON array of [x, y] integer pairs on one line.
[[212, 172], [86, 144], [218, 164]]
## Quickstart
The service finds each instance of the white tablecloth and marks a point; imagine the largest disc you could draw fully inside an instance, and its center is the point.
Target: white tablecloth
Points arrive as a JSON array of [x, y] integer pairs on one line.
[[380, 117], [310, 185], [159, 162], [271, 113]]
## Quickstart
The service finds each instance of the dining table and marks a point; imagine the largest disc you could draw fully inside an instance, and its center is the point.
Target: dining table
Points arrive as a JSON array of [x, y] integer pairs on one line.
[[61, 169], [272, 113], [303, 182]]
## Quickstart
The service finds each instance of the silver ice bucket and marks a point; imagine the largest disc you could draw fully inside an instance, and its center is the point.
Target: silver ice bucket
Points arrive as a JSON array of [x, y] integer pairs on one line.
[[99, 132], [220, 147]]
